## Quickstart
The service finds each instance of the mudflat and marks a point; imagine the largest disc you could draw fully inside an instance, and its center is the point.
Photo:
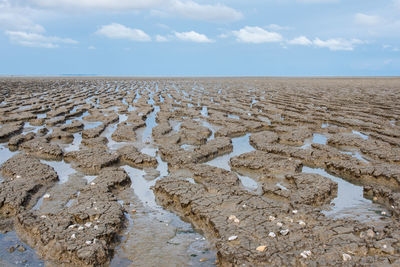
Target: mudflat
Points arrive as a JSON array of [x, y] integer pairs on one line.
[[200, 171]]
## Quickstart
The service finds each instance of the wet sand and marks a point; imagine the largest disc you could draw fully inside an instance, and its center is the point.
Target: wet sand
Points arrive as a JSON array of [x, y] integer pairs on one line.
[[199, 172]]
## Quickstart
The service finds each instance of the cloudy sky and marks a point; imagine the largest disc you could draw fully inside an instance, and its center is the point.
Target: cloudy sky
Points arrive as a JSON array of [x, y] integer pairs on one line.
[[200, 37]]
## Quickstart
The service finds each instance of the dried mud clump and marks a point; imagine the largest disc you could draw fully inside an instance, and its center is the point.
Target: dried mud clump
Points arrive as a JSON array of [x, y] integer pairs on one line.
[[41, 148], [265, 163], [91, 160], [26, 179], [8, 130], [308, 189], [131, 156], [84, 234]]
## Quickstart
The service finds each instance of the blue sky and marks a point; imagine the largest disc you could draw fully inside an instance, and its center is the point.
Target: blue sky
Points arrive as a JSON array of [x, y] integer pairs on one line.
[[200, 37]]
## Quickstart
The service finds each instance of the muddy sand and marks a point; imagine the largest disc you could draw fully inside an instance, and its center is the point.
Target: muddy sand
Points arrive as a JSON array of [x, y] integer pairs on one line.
[[200, 172]]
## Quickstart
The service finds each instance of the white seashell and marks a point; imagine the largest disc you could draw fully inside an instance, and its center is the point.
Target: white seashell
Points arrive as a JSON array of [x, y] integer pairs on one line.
[[88, 224], [18, 176], [302, 223], [88, 242], [236, 220], [43, 216], [80, 228], [231, 238], [47, 195], [271, 218], [305, 254], [272, 234], [232, 217], [346, 257], [284, 232], [73, 236], [383, 213], [92, 183], [279, 224], [96, 227], [294, 211]]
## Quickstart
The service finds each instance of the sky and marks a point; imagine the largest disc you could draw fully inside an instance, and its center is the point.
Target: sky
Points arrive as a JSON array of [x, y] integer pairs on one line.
[[200, 37]]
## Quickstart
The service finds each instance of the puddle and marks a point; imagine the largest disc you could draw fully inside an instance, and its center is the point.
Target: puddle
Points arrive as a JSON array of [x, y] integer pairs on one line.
[[150, 124], [188, 147], [264, 119], [325, 125], [74, 146], [91, 124], [316, 139], [17, 258], [282, 187], [363, 136], [240, 145], [248, 182], [64, 170], [41, 116], [5, 154], [28, 128], [356, 155], [232, 116], [176, 125], [204, 111], [350, 201]]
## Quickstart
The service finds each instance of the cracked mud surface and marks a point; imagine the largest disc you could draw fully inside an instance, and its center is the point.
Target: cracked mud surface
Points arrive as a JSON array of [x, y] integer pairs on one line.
[[200, 172]]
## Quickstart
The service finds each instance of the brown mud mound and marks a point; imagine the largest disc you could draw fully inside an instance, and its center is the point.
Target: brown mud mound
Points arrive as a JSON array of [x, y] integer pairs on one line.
[[8, 130], [309, 189], [91, 160], [131, 156], [42, 149], [265, 163], [26, 179], [85, 233]]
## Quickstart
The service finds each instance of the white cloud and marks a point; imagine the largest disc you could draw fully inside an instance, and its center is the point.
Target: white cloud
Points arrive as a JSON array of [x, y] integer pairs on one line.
[[275, 27], [188, 8], [160, 38], [337, 44], [92, 47], [37, 40], [193, 36], [301, 40], [18, 18], [193, 10], [99, 4], [256, 35], [119, 31], [391, 48], [367, 20]]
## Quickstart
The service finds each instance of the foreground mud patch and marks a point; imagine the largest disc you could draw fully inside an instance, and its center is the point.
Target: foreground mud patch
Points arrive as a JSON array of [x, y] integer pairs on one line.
[[86, 232], [26, 180]]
